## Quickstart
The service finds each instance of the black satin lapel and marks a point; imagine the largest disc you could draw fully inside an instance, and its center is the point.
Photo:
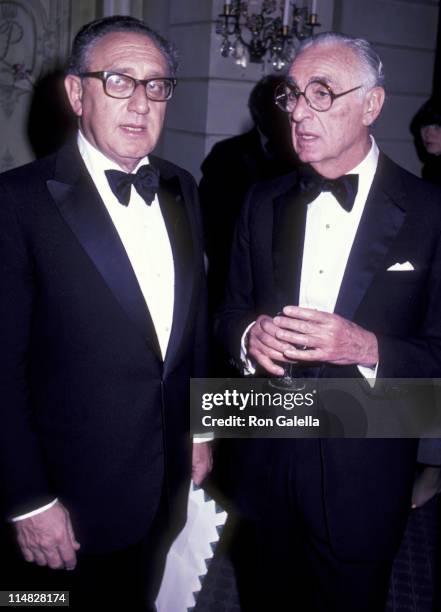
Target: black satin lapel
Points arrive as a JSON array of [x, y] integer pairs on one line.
[[381, 220], [86, 215], [288, 238], [177, 223]]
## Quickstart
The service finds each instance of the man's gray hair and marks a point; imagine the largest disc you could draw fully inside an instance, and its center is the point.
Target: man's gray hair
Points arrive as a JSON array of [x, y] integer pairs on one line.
[[363, 49]]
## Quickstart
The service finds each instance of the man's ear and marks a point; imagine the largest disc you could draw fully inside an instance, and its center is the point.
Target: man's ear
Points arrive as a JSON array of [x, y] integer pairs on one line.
[[373, 103], [74, 90]]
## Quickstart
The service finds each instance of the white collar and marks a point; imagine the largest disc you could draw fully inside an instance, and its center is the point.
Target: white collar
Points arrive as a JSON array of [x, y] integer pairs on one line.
[[368, 165], [96, 162]]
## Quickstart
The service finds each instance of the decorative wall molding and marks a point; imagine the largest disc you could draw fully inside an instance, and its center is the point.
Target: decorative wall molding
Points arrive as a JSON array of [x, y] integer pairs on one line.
[[34, 40]]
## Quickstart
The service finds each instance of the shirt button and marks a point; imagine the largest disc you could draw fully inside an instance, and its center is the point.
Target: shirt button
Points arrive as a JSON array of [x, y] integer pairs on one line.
[[327, 226], [321, 271]]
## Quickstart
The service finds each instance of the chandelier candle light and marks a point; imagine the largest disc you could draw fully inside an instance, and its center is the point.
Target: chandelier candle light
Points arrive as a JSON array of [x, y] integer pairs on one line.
[[271, 35]]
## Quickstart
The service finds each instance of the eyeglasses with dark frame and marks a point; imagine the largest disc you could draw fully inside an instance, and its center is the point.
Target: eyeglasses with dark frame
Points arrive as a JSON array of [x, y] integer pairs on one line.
[[318, 95], [117, 85]]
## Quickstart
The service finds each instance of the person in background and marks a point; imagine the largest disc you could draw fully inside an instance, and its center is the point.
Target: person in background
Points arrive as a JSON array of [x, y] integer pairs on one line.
[[231, 168], [102, 322], [426, 128]]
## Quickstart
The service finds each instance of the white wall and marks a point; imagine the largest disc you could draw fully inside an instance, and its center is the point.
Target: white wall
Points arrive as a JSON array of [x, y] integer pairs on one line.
[[184, 135], [404, 34]]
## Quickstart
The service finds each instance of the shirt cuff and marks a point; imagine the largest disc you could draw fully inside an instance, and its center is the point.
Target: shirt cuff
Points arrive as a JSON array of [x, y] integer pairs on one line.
[[208, 437], [34, 512], [249, 366], [370, 374]]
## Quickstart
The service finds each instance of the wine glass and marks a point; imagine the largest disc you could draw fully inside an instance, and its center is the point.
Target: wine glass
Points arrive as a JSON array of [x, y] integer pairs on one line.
[[288, 381]]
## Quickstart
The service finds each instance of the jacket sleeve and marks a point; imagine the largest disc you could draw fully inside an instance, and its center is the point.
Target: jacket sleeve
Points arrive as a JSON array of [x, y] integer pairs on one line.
[[238, 309], [23, 481]]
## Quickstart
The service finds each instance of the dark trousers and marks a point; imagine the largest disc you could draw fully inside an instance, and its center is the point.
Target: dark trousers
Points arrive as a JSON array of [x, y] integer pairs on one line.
[[295, 571], [284, 560], [127, 579]]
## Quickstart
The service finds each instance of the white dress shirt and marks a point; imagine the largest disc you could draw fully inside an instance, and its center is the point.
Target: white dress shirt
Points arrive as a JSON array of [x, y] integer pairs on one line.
[[329, 235], [144, 236], [333, 229]]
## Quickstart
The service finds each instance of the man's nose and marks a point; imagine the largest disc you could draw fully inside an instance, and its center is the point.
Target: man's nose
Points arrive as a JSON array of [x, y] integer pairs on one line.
[[139, 101], [301, 109]]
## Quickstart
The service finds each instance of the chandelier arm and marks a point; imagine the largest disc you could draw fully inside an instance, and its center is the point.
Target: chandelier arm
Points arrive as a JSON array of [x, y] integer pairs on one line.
[[268, 38], [243, 41]]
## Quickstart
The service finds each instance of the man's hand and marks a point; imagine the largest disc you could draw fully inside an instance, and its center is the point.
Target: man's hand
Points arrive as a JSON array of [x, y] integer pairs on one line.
[[264, 346], [48, 538], [329, 338], [202, 461]]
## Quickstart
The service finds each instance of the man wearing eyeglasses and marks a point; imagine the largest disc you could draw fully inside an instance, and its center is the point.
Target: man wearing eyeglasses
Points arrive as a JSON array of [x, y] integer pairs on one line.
[[338, 268], [102, 324]]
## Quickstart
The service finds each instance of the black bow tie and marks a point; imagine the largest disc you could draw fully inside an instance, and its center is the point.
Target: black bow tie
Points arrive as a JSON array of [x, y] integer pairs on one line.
[[344, 188], [145, 181]]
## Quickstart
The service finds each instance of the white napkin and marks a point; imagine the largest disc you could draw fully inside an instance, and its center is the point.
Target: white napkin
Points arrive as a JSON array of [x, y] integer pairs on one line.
[[191, 552]]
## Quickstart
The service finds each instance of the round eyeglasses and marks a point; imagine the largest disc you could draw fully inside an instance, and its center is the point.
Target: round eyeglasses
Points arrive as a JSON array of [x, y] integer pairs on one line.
[[118, 85], [318, 95]]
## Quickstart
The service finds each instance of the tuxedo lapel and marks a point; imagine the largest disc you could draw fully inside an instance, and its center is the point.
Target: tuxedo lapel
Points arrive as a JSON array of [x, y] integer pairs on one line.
[[82, 209], [288, 238], [382, 218], [173, 207]]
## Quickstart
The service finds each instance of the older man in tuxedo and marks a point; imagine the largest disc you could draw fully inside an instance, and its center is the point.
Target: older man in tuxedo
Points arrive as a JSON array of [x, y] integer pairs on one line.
[[102, 316], [349, 253]]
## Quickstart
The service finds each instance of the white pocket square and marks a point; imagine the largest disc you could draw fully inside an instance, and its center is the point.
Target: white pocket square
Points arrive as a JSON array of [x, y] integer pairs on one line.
[[401, 267]]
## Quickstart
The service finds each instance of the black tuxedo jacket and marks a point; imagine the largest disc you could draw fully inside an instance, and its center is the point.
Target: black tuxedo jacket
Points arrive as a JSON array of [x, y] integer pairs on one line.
[[91, 412], [364, 484]]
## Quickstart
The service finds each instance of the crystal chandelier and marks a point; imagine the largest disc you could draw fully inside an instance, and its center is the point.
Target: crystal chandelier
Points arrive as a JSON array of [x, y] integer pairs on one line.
[[271, 35]]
